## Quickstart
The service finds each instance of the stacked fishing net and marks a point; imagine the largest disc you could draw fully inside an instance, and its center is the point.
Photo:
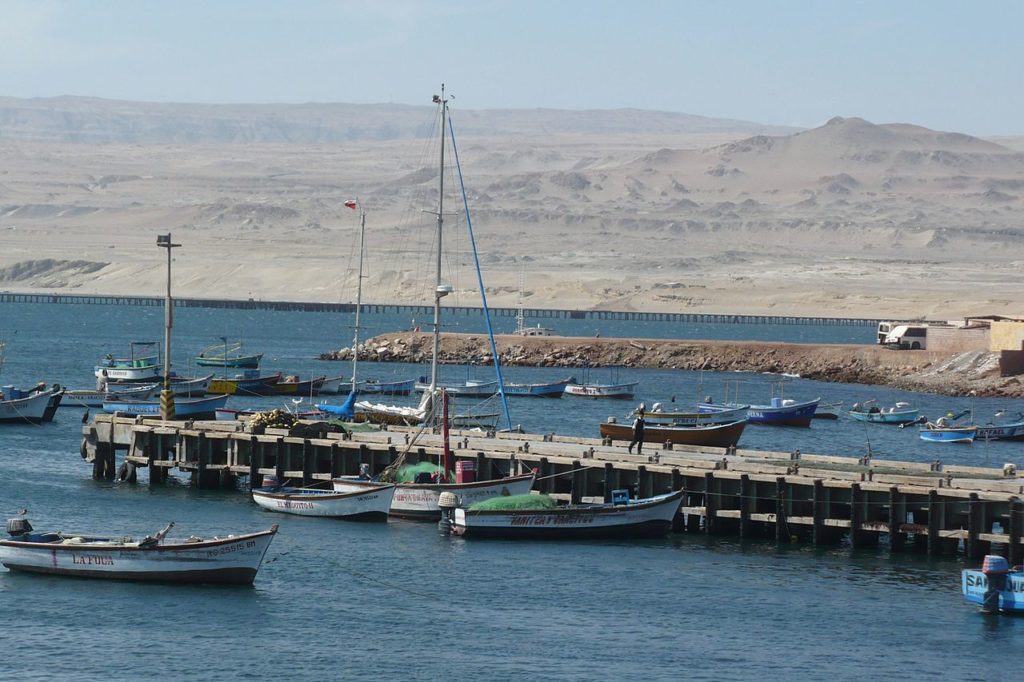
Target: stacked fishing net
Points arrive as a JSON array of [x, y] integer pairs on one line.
[[513, 502], [272, 419]]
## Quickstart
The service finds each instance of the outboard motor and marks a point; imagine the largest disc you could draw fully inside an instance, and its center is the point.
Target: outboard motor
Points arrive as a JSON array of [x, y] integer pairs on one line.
[[447, 501], [995, 569], [18, 527]]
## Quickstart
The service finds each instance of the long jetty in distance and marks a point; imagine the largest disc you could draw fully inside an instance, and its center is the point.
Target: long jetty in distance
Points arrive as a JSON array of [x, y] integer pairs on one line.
[[424, 310], [789, 496]]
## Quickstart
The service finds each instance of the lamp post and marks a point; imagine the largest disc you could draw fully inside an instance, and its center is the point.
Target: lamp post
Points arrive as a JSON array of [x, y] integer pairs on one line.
[[167, 395]]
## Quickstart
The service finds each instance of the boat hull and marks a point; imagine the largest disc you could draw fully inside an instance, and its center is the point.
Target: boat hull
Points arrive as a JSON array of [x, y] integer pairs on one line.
[[419, 501], [711, 435], [795, 414], [480, 389], [231, 560], [243, 361], [404, 387], [618, 391], [307, 387], [371, 504], [1000, 431], [952, 434], [191, 408], [140, 373], [31, 409], [652, 517], [894, 417], [554, 389], [264, 385], [974, 584]]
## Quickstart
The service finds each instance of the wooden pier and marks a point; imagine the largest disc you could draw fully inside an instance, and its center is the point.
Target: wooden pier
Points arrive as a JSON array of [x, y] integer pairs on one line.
[[933, 508], [423, 311]]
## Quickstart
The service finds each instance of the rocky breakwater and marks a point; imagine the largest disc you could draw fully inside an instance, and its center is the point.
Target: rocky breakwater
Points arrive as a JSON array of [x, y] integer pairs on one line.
[[926, 371]]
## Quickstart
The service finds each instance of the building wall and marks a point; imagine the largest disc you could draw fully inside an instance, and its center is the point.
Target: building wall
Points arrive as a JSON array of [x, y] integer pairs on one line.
[[1007, 335], [958, 339]]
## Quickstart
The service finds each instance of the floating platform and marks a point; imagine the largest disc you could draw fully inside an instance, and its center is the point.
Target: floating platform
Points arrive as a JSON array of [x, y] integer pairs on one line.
[[928, 507]]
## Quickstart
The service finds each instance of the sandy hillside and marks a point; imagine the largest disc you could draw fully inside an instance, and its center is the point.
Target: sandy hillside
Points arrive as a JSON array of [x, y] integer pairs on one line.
[[848, 219]]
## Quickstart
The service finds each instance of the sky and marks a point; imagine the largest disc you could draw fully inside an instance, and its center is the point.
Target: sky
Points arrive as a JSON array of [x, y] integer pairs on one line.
[[956, 66]]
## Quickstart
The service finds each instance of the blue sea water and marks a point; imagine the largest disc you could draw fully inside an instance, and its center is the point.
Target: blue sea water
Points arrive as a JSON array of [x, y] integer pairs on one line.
[[396, 601]]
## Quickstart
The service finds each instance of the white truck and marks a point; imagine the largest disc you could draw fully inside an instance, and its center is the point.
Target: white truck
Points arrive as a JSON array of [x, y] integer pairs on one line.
[[907, 337]]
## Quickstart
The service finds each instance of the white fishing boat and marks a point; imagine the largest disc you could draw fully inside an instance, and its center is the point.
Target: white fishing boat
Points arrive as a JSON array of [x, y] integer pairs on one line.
[[419, 501], [364, 504], [232, 559], [142, 363], [87, 397], [33, 408], [650, 517]]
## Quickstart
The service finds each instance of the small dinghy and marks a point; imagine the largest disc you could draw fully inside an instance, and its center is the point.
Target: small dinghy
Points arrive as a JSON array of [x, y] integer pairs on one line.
[[232, 560]]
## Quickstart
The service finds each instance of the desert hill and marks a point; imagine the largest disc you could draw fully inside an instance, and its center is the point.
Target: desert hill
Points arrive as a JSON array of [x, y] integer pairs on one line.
[[614, 210]]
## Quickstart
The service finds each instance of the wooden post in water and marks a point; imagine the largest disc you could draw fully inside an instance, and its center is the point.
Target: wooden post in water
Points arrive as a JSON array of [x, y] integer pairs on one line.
[[280, 451], [745, 503], [307, 462], [578, 483], [935, 522], [818, 513], [611, 480], [897, 517], [859, 537], [1014, 531], [711, 503], [781, 527], [255, 477], [336, 460], [973, 548]]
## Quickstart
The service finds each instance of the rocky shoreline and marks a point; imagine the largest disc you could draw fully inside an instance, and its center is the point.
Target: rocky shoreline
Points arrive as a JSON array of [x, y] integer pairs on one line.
[[954, 374]]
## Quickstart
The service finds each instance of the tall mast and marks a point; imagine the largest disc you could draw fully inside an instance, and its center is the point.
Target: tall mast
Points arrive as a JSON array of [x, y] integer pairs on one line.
[[359, 293], [439, 291]]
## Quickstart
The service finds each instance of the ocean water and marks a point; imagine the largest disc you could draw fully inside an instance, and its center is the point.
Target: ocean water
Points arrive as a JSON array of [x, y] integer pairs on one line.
[[396, 601]]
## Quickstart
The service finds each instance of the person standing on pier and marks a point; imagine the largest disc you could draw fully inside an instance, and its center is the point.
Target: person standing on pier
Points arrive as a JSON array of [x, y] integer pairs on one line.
[[638, 432], [101, 382]]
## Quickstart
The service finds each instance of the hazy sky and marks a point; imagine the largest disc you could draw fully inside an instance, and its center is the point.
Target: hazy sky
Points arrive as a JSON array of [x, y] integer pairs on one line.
[[946, 65]]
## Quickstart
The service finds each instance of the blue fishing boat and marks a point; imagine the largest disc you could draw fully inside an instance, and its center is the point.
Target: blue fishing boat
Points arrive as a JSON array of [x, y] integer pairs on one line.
[[189, 408], [1002, 430], [996, 587], [937, 433], [781, 411]]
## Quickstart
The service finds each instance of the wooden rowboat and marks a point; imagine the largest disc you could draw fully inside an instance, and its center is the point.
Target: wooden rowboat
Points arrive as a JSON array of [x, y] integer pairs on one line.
[[369, 504], [711, 435], [233, 559], [650, 517]]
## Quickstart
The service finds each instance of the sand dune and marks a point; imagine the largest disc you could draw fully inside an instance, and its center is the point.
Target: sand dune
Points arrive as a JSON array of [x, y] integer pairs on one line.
[[609, 210]]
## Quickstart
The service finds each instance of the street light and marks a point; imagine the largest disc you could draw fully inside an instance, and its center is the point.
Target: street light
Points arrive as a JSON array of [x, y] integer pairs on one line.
[[167, 395]]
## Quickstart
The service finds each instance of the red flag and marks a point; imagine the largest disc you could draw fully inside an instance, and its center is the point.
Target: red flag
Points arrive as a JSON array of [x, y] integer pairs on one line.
[[351, 204]]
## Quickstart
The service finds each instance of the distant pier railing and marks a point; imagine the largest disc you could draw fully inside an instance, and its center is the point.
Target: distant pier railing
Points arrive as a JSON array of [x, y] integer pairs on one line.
[[424, 310]]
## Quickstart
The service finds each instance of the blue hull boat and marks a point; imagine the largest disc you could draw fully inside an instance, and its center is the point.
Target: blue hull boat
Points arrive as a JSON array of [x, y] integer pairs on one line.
[[780, 413], [948, 434], [187, 408]]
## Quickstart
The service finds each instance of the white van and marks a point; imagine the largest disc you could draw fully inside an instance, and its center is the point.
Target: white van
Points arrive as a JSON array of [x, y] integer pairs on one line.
[[907, 337]]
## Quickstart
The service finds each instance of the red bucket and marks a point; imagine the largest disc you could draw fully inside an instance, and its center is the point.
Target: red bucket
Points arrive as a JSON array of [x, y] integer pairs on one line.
[[465, 471]]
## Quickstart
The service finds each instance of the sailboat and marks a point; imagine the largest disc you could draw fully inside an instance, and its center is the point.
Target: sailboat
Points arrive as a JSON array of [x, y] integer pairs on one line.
[[521, 328], [366, 411], [419, 498]]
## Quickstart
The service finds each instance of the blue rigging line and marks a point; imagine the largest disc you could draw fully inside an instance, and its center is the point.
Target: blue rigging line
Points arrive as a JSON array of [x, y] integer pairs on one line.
[[480, 278]]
